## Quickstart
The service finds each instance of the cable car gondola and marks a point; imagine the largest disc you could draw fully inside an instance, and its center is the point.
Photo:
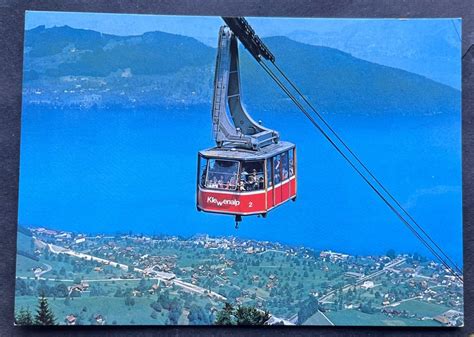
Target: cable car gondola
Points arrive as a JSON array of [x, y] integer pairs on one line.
[[250, 170]]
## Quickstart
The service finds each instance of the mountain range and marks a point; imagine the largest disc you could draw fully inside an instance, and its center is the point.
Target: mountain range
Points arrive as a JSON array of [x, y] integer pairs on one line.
[[66, 67]]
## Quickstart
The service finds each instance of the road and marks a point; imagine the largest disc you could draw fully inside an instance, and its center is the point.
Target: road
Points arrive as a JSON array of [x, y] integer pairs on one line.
[[392, 264], [184, 285], [394, 304], [42, 272]]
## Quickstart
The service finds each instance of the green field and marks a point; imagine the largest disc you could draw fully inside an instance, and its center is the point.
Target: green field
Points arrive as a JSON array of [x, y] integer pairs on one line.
[[422, 308], [112, 308], [356, 317]]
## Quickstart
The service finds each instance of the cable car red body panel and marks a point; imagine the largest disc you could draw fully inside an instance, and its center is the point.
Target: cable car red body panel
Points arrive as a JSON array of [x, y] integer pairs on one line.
[[246, 203]]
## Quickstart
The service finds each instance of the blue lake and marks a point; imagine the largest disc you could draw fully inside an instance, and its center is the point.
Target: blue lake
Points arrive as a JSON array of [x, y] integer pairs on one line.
[[123, 170]]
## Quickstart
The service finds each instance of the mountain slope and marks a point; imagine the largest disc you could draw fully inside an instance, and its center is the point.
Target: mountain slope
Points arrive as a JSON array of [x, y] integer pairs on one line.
[[72, 67], [433, 51], [338, 82]]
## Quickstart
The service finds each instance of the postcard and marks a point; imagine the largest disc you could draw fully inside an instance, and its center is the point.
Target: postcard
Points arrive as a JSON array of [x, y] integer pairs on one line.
[[185, 170]]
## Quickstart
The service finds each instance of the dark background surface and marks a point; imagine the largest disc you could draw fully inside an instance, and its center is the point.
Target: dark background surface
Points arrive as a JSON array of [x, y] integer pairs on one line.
[[11, 53]]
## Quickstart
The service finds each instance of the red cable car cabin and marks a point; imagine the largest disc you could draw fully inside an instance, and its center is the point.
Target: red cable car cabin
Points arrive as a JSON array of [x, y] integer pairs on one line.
[[250, 171], [244, 182]]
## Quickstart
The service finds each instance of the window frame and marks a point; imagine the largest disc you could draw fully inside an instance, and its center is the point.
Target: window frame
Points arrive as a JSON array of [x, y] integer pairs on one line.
[[201, 181], [221, 159], [262, 161], [291, 165]]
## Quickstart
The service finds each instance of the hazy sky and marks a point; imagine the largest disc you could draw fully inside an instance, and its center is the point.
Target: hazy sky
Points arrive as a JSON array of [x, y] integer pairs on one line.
[[204, 27]]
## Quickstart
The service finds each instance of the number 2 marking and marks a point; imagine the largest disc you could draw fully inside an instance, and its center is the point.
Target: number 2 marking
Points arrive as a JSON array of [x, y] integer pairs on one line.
[[250, 204]]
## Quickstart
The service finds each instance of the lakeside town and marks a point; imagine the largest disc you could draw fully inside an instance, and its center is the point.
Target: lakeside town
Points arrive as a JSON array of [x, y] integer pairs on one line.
[[140, 279]]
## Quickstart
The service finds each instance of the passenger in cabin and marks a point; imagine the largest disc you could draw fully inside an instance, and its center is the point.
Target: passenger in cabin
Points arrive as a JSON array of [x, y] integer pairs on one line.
[[213, 183], [292, 172], [244, 174], [241, 186], [251, 182], [220, 182], [254, 174], [261, 183], [232, 181]]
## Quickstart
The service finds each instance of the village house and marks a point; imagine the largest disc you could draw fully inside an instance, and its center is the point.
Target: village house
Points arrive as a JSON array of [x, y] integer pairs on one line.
[[136, 293], [367, 285], [70, 319], [100, 320]]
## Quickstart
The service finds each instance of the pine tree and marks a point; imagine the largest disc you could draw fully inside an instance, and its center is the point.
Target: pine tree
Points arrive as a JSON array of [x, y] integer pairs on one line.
[[225, 316], [241, 316], [251, 316], [24, 317], [44, 315]]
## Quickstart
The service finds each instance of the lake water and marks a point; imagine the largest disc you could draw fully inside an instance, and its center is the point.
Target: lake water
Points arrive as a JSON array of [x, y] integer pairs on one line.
[[123, 170]]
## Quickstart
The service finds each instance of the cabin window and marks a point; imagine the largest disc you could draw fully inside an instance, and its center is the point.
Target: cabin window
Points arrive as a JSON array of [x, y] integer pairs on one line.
[[276, 169], [284, 165], [202, 171], [269, 173], [252, 176], [222, 174], [292, 162]]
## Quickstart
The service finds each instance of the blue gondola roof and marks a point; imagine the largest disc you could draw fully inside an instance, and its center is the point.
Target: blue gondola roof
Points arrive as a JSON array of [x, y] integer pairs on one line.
[[245, 154]]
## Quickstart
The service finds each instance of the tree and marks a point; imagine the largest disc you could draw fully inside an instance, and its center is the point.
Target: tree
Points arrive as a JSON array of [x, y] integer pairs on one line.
[[173, 317], [156, 306], [61, 290], [142, 286], [22, 288], [197, 316], [308, 309], [225, 316], [241, 316], [118, 292], [24, 317], [367, 308], [391, 254], [251, 316], [44, 315], [129, 301]]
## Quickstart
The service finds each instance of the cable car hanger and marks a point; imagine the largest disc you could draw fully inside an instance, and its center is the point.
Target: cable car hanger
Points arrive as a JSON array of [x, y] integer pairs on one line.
[[245, 133], [242, 131]]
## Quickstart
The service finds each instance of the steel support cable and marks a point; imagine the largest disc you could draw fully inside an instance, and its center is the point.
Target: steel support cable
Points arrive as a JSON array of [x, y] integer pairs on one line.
[[366, 168], [399, 215]]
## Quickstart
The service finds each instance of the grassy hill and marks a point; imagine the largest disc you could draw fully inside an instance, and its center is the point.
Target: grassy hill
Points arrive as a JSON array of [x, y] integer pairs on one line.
[[66, 66], [25, 243]]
